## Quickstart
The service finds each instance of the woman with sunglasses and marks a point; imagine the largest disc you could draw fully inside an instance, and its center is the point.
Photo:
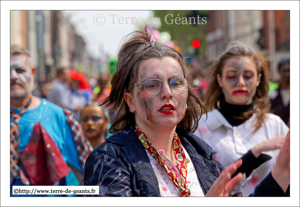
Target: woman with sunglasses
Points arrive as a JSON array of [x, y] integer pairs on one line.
[[152, 151], [94, 121], [238, 124]]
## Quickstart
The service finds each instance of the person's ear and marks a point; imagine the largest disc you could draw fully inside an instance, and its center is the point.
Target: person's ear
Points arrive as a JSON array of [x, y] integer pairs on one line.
[[33, 70], [129, 100], [219, 79], [105, 125]]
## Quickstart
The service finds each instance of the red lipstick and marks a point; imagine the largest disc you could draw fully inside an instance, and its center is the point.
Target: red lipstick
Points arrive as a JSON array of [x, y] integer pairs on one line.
[[237, 92], [167, 109]]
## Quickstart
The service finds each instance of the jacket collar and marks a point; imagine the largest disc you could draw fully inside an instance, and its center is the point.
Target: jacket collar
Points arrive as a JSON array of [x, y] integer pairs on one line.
[[129, 137], [200, 147], [201, 155], [135, 153]]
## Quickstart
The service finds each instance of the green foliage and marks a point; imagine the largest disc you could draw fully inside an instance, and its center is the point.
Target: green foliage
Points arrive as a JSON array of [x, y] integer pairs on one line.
[[112, 65], [183, 32]]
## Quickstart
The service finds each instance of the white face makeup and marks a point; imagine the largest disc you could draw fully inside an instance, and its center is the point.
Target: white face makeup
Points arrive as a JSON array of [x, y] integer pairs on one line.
[[165, 109], [21, 77], [239, 80]]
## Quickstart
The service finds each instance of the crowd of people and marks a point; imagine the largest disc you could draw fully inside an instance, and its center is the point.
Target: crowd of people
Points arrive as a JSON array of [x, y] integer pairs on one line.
[[148, 131]]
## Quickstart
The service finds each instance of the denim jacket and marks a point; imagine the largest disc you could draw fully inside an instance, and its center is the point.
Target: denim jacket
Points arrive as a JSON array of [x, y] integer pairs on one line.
[[120, 166]]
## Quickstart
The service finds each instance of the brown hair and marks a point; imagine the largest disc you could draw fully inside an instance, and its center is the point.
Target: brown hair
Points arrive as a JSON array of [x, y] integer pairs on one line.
[[19, 50], [137, 49], [95, 103], [214, 93], [60, 71]]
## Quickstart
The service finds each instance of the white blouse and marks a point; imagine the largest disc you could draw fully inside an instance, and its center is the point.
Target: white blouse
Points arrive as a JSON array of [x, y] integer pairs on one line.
[[231, 142], [166, 186]]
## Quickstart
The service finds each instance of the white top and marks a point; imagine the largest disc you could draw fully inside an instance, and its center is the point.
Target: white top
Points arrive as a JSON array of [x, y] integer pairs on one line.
[[285, 95], [231, 143], [166, 186]]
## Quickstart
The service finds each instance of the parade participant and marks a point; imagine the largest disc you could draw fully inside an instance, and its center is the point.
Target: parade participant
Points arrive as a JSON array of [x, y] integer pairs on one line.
[[78, 97], [60, 90], [152, 151], [280, 98], [94, 120], [103, 87], [43, 146], [239, 124]]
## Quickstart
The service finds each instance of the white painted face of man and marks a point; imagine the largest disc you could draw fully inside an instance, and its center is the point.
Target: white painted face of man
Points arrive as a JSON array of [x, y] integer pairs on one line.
[[21, 76]]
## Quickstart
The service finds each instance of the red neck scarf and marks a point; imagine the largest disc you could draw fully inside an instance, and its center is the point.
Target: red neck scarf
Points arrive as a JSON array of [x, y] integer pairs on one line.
[[179, 156], [14, 143]]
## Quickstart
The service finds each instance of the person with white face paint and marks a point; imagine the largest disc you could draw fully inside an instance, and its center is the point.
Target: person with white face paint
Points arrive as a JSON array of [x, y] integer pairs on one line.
[[238, 124], [42, 143], [153, 151]]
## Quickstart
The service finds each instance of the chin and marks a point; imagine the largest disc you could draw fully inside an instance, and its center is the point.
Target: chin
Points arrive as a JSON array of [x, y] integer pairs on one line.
[[168, 123], [241, 102]]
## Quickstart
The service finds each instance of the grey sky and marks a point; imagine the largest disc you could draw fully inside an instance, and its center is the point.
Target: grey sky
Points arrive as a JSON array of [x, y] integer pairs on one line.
[[96, 32]]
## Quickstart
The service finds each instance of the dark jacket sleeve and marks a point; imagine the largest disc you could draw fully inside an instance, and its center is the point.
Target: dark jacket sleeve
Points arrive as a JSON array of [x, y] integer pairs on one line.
[[106, 168], [268, 187], [250, 163]]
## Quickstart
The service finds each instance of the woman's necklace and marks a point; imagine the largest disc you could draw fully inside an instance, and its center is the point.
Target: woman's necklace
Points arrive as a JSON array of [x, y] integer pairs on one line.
[[179, 156]]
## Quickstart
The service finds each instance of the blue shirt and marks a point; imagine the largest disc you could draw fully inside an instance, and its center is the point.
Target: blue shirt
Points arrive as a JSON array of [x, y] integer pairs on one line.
[[53, 119]]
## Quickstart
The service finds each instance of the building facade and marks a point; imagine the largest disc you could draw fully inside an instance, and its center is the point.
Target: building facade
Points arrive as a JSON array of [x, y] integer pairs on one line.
[[265, 30]]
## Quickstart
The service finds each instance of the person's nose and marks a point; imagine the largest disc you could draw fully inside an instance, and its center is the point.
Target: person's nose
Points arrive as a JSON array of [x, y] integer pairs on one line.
[[241, 82], [13, 74], [166, 91], [90, 121]]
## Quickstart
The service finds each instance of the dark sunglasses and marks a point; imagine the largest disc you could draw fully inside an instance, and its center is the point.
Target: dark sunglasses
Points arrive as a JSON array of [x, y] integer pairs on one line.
[[94, 119]]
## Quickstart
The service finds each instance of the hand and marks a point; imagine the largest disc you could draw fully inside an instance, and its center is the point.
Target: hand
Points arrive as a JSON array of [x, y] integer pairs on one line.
[[281, 171], [223, 185], [270, 144]]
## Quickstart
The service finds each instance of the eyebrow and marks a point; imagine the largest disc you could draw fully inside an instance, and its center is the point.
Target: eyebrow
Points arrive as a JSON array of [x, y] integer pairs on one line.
[[242, 66], [231, 70], [157, 77], [238, 71], [16, 65], [153, 77]]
